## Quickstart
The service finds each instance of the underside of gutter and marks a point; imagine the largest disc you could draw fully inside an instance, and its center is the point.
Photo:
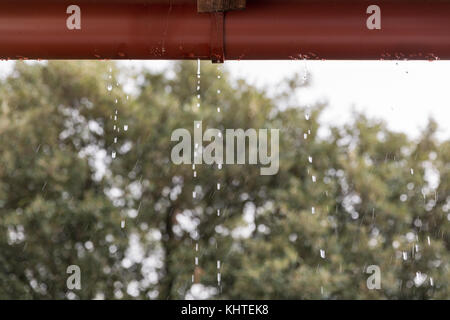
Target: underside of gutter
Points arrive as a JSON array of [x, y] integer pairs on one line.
[[261, 29]]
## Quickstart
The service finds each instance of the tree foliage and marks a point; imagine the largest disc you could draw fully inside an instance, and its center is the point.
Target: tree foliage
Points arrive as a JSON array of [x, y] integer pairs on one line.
[[359, 195]]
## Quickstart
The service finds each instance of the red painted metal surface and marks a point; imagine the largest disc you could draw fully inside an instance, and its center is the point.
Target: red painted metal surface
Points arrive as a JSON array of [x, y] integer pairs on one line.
[[266, 29]]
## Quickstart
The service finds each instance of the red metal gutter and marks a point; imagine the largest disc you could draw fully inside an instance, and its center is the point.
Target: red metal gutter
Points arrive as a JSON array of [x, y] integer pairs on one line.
[[266, 29]]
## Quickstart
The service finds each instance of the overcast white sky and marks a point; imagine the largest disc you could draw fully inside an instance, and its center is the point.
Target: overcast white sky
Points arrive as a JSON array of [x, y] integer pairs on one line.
[[405, 93]]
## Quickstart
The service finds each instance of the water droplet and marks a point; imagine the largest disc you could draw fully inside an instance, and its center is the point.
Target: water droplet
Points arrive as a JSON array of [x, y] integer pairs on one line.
[[218, 212], [310, 159], [218, 91], [194, 194], [219, 166], [115, 140], [306, 116], [313, 178], [313, 210], [125, 127], [218, 186], [305, 136], [405, 255], [122, 224], [196, 261], [218, 264], [218, 109], [113, 155], [195, 174], [322, 253], [412, 171], [109, 87]]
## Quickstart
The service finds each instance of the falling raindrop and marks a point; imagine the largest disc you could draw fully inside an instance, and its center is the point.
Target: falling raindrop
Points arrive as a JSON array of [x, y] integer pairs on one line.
[[313, 210], [115, 139], [405, 255], [113, 155], [196, 261], [218, 186], [322, 253], [412, 171], [310, 159], [218, 212], [218, 264], [194, 194]]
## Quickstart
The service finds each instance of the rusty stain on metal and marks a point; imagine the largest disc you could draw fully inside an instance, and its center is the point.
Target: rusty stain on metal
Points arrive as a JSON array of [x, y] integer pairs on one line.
[[220, 5]]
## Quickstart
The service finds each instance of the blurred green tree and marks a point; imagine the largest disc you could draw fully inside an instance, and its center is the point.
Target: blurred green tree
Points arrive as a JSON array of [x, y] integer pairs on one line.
[[86, 179]]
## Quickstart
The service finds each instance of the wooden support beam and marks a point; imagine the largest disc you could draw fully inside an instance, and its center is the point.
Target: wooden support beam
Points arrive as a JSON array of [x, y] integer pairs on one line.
[[220, 5]]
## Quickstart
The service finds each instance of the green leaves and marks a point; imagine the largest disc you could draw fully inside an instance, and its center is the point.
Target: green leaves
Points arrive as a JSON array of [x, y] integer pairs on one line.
[[63, 197]]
